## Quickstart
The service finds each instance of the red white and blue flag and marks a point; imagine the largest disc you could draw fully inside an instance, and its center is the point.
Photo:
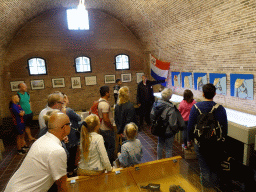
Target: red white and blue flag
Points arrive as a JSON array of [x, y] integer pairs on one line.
[[159, 69]]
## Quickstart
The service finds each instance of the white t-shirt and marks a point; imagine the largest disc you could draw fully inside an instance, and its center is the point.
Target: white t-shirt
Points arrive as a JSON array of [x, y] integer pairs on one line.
[[41, 117], [45, 163], [104, 107], [97, 159]]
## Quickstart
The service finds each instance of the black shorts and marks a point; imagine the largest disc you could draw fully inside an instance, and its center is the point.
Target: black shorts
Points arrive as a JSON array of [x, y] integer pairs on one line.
[[28, 119]]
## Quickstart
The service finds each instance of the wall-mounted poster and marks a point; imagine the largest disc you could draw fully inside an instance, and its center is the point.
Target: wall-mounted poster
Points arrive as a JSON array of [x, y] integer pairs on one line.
[[92, 80], [241, 85], [186, 79], [176, 79], [110, 79], [220, 82], [126, 77], [76, 82], [60, 82], [37, 84], [14, 85], [200, 79]]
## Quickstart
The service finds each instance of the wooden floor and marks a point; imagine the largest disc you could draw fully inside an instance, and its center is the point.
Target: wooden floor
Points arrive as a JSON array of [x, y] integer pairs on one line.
[[189, 168]]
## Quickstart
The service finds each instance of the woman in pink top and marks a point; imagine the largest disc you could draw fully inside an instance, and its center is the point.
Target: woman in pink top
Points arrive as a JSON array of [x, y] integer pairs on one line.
[[184, 108]]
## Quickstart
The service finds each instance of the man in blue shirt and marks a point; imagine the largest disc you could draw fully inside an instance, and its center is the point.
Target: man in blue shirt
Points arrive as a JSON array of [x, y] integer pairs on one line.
[[209, 156]]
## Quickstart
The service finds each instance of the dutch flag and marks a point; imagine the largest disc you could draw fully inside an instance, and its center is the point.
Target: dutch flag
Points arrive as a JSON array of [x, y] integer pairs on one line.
[[159, 69]]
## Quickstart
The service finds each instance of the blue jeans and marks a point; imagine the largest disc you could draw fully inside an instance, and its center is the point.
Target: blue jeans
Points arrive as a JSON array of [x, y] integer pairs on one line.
[[166, 143], [109, 141], [208, 172]]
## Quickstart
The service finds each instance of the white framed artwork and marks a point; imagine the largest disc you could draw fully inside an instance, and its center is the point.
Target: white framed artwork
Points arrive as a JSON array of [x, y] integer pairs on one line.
[[126, 77], [110, 79], [75, 82], [58, 83], [139, 77], [92, 80], [14, 85], [37, 84]]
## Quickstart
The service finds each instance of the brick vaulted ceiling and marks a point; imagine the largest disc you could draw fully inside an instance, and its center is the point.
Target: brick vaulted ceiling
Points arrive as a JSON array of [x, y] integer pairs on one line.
[[151, 21]]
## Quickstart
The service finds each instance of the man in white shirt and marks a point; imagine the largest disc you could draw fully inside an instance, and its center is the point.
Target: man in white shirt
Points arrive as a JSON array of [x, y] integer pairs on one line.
[[106, 127], [46, 161], [55, 101]]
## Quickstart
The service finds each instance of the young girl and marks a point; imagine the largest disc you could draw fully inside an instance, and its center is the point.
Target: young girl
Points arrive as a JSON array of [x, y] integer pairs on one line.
[[18, 121], [185, 106], [93, 157], [131, 151]]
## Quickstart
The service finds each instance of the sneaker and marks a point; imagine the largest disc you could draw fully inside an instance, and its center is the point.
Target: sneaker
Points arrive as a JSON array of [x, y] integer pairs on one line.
[[184, 147], [21, 152], [25, 148], [189, 143]]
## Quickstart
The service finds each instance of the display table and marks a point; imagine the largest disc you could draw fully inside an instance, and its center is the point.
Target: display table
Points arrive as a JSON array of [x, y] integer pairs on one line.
[[165, 172], [241, 126]]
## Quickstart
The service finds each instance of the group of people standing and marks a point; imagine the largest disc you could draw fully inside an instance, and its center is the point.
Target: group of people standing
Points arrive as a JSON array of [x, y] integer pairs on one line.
[[67, 141]]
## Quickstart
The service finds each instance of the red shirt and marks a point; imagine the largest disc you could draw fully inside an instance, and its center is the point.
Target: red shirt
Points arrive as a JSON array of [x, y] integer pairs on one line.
[[185, 108]]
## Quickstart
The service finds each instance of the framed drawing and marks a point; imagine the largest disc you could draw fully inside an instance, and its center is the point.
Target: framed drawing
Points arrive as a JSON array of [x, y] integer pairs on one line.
[[92, 80], [58, 83], [75, 82], [126, 77], [219, 80], [139, 77], [241, 86], [14, 85], [37, 84], [186, 79], [110, 79]]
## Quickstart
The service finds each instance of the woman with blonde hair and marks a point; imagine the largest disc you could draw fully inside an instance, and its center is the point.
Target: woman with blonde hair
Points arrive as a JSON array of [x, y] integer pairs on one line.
[[124, 110], [93, 155]]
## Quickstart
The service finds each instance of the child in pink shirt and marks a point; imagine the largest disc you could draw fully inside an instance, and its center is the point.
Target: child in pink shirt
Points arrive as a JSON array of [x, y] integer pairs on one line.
[[184, 108]]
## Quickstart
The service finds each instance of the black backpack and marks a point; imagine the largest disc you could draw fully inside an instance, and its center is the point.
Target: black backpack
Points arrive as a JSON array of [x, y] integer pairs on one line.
[[208, 131], [159, 125]]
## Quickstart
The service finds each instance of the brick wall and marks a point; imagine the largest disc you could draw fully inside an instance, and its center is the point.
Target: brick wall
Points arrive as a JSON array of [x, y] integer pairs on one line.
[[47, 37]]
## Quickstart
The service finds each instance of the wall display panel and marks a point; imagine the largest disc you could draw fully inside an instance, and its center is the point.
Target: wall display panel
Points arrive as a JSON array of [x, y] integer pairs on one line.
[[176, 79], [219, 80], [200, 79], [241, 85], [37, 84], [126, 77], [76, 82], [14, 85], [186, 79], [110, 79], [56, 83], [92, 80]]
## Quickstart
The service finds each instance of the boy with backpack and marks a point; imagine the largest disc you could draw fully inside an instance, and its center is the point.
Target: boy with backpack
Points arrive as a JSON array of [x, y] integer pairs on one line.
[[208, 126]]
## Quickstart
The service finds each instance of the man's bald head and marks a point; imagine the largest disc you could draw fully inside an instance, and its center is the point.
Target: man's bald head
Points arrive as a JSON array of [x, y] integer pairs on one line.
[[22, 87], [57, 120]]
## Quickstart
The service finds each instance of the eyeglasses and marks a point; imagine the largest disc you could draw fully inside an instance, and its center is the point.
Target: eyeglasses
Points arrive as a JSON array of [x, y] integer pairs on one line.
[[69, 124], [60, 102]]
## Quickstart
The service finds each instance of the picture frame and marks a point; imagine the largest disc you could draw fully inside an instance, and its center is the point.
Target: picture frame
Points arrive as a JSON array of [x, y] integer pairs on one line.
[[59, 82], [76, 82], [37, 84], [110, 79], [14, 85], [127, 77], [139, 77], [91, 80]]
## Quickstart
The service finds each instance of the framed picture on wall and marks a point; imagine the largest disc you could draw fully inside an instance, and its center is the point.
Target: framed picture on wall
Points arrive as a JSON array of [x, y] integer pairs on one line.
[[58, 83], [92, 80], [37, 84], [14, 85], [139, 77], [126, 77], [110, 79], [76, 82]]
